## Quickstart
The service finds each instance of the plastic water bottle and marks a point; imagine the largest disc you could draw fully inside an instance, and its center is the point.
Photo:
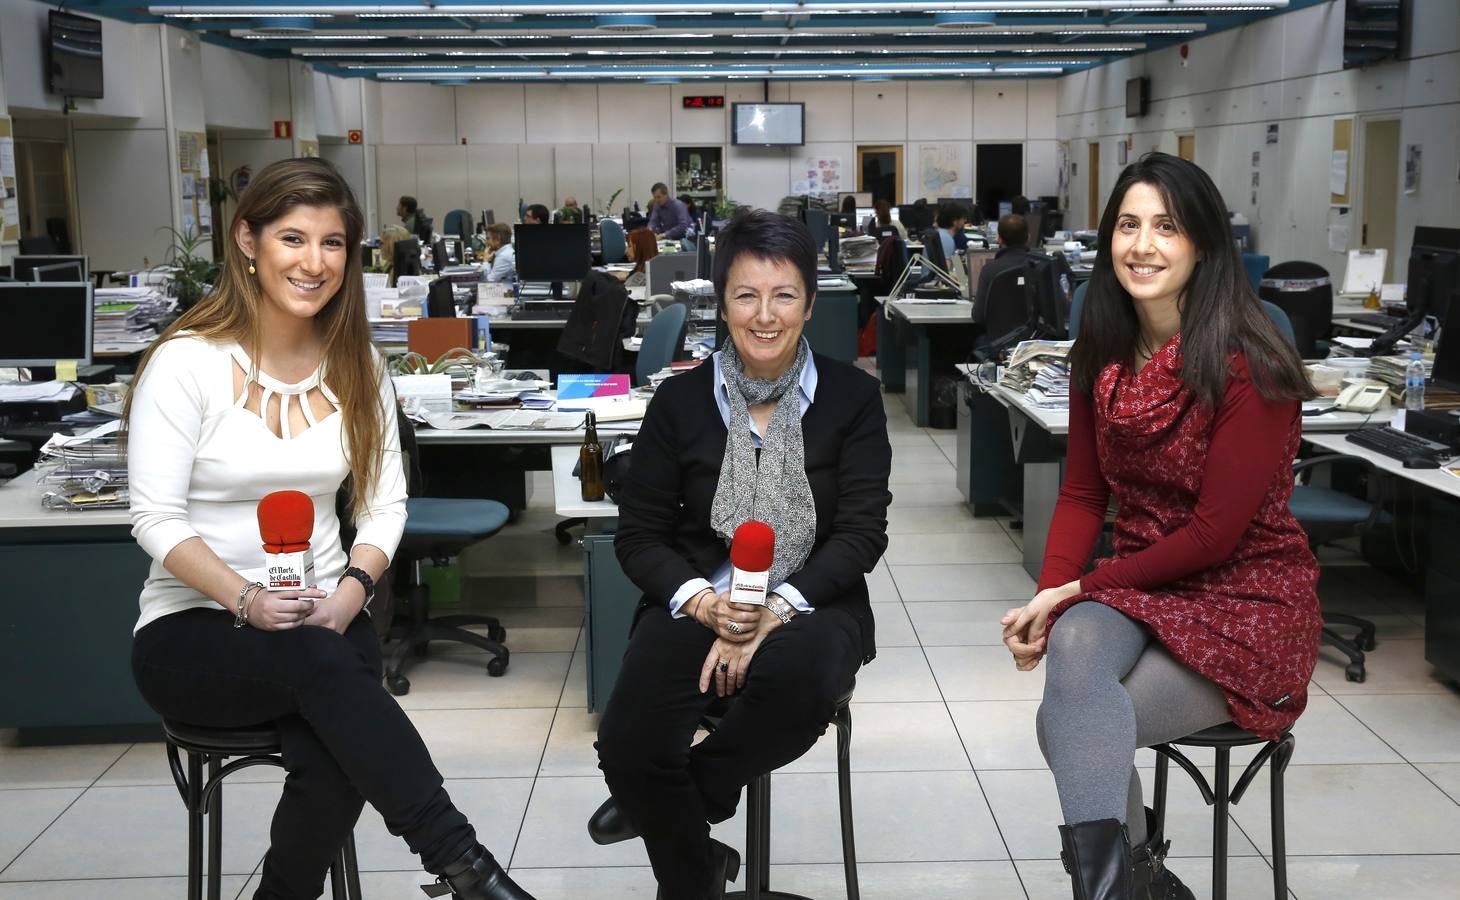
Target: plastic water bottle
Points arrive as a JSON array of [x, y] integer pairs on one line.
[[1414, 382]]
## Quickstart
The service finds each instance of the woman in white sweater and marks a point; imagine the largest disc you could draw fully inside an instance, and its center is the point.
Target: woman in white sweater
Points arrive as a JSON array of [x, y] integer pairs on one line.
[[271, 384]]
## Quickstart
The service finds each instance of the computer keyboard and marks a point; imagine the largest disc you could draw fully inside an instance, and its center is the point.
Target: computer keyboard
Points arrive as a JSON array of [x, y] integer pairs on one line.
[[1378, 320], [547, 314], [1399, 444]]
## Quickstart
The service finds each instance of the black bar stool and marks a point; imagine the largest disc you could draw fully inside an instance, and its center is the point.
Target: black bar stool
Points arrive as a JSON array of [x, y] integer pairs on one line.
[[256, 745], [758, 814], [1222, 738]]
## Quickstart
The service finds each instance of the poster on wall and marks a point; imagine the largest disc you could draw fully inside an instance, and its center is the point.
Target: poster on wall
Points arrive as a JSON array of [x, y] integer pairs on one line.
[[1412, 153], [1338, 229], [1272, 133], [939, 170], [820, 175], [1062, 173]]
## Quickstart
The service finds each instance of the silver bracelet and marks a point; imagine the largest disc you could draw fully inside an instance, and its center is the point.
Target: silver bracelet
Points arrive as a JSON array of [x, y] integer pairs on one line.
[[240, 618]]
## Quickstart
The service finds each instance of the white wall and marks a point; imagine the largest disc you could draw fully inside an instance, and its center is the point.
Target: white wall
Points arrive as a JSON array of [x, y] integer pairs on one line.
[[589, 140], [235, 95], [1288, 70]]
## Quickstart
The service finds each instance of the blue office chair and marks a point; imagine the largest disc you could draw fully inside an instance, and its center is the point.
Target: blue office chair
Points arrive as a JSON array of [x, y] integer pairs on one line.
[[662, 340], [687, 244], [1077, 306], [1327, 515], [612, 242], [458, 223], [1254, 265]]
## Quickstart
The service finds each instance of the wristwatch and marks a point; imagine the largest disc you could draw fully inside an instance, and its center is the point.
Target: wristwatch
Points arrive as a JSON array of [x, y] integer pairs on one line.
[[781, 608], [365, 580]]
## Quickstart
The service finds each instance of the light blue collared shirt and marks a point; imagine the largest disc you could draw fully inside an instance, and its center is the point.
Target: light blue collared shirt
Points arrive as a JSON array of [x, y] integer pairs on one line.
[[504, 264], [721, 582]]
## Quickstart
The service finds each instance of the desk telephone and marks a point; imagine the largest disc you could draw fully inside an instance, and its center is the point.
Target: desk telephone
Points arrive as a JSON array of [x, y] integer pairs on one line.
[[1363, 397]]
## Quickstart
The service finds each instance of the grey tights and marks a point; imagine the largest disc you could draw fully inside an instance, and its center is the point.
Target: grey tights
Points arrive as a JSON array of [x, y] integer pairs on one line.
[[1109, 688]]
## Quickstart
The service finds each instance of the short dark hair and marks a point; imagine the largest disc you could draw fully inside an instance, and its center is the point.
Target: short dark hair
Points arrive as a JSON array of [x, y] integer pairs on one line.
[[659, 186], [948, 213], [408, 204], [1020, 205], [765, 235], [1014, 230], [539, 212]]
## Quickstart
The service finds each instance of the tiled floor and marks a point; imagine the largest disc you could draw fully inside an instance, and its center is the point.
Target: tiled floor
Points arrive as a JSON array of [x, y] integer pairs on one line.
[[952, 797]]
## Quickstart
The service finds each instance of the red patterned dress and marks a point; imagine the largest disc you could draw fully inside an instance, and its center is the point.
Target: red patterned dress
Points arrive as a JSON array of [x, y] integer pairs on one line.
[[1207, 555]]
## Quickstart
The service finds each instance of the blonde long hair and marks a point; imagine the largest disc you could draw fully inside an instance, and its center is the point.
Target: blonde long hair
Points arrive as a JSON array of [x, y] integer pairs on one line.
[[231, 311]]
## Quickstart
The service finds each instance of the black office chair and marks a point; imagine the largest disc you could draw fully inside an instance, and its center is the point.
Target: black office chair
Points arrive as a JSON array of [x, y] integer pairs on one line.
[[40, 245], [1303, 291], [1006, 312], [405, 259], [438, 528]]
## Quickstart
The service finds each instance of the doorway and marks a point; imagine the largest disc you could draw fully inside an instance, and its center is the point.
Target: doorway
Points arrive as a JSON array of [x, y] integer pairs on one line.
[[879, 172], [1186, 147], [44, 185], [1381, 180], [998, 172], [1092, 177]]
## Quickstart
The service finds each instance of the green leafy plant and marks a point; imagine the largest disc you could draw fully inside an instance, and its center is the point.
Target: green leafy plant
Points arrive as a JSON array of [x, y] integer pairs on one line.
[[725, 207], [193, 269], [608, 207], [570, 214]]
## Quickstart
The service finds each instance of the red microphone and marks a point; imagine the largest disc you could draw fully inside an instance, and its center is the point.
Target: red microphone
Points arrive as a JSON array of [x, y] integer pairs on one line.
[[286, 522], [751, 552]]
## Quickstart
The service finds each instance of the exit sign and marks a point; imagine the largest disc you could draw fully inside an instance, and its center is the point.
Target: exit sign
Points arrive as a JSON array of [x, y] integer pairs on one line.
[[704, 102]]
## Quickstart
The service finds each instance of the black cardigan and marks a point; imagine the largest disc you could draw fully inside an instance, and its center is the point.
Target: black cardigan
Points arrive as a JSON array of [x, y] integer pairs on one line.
[[664, 534]]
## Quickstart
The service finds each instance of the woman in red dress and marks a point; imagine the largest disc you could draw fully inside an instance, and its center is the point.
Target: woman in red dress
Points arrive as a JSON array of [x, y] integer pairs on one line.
[[1185, 408]]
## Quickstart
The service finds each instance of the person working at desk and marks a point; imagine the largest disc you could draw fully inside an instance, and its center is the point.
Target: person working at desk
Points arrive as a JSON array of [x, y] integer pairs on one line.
[[501, 257], [414, 219], [536, 214], [1184, 402], [949, 222], [640, 247], [1013, 253], [767, 431], [882, 216], [668, 218], [271, 383]]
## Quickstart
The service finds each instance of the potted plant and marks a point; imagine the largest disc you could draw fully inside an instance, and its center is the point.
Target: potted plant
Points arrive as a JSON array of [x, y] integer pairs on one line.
[[725, 207], [193, 271], [608, 207]]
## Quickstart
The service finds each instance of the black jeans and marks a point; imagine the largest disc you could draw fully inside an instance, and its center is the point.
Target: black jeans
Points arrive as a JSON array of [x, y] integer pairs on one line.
[[669, 790], [345, 740]]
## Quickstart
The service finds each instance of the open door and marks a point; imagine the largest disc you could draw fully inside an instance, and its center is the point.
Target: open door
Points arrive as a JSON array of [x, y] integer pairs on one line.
[[1381, 184], [879, 172], [1093, 177]]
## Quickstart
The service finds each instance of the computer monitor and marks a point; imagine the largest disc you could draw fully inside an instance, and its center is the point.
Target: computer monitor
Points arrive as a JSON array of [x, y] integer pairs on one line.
[[704, 258], [67, 271], [553, 253], [965, 204], [977, 259], [489, 217], [669, 267], [861, 198], [1433, 281], [45, 323], [24, 266], [916, 218], [1446, 371], [1053, 292], [447, 252]]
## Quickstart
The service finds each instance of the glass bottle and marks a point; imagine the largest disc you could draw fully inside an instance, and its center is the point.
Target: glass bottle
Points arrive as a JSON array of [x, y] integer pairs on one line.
[[590, 462]]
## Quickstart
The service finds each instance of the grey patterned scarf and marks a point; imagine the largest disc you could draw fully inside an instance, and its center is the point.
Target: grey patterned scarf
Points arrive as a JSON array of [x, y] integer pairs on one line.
[[775, 491]]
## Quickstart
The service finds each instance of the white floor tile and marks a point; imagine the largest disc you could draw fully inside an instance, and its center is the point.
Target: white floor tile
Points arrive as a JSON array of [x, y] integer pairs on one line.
[[930, 493], [880, 586], [1248, 878], [1446, 775], [990, 581], [953, 623], [493, 805], [610, 883], [943, 519], [57, 767], [999, 734], [893, 627], [457, 681], [24, 815], [113, 889], [949, 549], [555, 830], [897, 674], [1410, 877], [903, 880], [1395, 667], [907, 459], [484, 743], [575, 691], [1423, 728], [146, 764], [570, 745], [983, 673], [892, 737]]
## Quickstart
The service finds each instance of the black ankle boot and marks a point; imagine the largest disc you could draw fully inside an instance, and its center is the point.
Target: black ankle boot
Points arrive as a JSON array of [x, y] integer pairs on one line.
[[1097, 856], [609, 825], [475, 876], [1152, 880], [724, 868]]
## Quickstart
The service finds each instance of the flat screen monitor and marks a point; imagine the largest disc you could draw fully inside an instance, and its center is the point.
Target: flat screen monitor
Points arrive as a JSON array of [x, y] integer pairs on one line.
[[1433, 280], [1446, 372], [45, 323], [669, 267], [66, 271], [977, 259], [553, 253], [1373, 31], [768, 124], [489, 217], [447, 252], [1137, 97], [24, 266], [73, 56], [963, 204], [915, 218]]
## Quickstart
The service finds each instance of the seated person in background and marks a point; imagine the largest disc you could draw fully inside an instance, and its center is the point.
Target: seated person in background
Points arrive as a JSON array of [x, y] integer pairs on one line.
[[479, 239], [689, 205], [390, 235], [1019, 206], [536, 214], [882, 215], [641, 247], [1013, 253], [948, 222], [406, 209], [501, 257], [569, 212], [767, 431], [668, 218]]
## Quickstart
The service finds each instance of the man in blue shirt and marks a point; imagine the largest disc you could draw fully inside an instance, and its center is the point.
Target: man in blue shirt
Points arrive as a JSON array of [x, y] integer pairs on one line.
[[668, 218]]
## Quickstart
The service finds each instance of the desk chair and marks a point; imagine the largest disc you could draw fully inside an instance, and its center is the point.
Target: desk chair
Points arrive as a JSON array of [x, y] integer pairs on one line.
[[662, 341], [458, 223], [611, 241], [1006, 312], [41, 245], [258, 745], [687, 244], [1077, 306], [1254, 265], [1327, 515], [1310, 310], [438, 528]]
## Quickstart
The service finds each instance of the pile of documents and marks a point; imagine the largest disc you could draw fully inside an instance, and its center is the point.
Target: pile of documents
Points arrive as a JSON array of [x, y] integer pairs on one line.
[[1041, 371], [128, 314], [858, 251], [1391, 369], [85, 471]]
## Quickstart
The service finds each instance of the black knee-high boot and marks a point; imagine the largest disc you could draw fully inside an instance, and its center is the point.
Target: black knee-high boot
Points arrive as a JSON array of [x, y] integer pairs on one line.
[[1097, 856], [1153, 881]]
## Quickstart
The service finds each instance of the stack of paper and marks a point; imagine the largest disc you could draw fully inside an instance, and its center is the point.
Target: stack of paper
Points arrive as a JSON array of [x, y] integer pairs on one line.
[[1041, 370], [1391, 369], [128, 315]]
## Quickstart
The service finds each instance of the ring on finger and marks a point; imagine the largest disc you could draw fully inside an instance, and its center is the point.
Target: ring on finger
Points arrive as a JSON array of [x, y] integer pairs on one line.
[[734, 627], [724, 666]]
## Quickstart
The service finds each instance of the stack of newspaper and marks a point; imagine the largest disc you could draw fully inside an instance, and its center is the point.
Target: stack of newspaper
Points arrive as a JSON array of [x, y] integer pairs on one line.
[[128, 315], [1040, 370]]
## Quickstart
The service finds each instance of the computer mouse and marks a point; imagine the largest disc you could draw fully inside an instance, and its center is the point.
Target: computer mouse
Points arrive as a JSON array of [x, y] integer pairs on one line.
[[1420, 462]]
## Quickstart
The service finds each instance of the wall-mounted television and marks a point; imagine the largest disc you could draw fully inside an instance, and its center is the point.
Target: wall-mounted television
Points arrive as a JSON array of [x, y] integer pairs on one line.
[[1373, 31], [1137, 97], [73, 56], [768, 124]]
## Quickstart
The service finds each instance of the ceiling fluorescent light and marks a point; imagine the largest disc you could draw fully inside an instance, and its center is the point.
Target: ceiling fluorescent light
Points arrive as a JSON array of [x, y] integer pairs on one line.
[[780, 7]]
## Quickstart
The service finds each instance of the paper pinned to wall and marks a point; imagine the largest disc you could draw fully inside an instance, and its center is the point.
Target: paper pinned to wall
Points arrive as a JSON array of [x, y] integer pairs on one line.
[[938, 169], [203, 164], [1338, 226], [7, 157], [1338, 173], [1412, 153]]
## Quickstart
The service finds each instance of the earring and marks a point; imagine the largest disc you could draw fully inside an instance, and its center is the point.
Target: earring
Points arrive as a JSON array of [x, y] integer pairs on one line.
[[251, 269]]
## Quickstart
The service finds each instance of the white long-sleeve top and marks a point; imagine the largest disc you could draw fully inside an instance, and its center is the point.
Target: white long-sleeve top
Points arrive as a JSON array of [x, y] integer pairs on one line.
[[199, 462]]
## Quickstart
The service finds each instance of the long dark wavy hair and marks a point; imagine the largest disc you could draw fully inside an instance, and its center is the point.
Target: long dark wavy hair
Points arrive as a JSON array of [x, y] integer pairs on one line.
[[1220, 313]]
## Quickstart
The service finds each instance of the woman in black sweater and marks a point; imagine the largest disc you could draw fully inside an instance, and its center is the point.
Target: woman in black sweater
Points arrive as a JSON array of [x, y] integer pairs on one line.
[[764, 431]]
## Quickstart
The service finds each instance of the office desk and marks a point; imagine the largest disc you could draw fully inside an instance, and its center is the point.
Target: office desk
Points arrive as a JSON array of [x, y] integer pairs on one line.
[[66, 616], [1442, 571], [938, 335]]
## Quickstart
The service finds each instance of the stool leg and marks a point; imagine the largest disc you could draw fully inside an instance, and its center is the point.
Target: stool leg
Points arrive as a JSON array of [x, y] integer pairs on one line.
[[352, 868], [1219, 825], [1279, 764], [753, 822], [337, 876], [215, 833], [844, 795], [195, 826], [1158, 798]]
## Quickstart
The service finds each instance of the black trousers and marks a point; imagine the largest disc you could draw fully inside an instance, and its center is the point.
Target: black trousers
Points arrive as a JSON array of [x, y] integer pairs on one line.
[[345, 740], [670, 790]]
